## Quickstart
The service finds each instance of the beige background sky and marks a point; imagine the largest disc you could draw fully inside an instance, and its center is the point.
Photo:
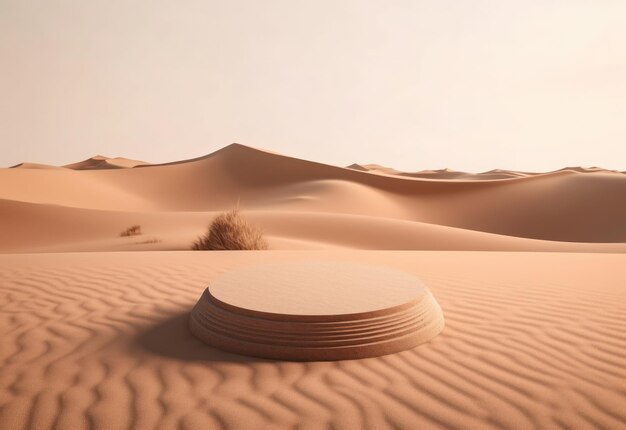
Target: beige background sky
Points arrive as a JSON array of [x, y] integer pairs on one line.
[[472, 85]]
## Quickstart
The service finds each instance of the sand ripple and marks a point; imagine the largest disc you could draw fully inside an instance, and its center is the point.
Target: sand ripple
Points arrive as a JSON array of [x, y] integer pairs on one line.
[[99, 341]]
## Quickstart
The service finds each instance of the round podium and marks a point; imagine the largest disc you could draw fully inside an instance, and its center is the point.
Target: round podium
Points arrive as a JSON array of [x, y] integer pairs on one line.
[[316, 310]]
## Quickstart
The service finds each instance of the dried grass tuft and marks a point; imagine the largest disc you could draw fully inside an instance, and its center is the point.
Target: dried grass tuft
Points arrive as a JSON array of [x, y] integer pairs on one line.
[[231, 231]]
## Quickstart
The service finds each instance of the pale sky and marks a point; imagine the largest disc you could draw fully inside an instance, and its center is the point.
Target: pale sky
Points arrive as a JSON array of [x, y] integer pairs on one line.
[[467, 84]]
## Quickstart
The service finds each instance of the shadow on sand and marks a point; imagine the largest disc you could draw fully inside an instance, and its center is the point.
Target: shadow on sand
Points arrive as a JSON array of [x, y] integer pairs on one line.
[[172, 338]]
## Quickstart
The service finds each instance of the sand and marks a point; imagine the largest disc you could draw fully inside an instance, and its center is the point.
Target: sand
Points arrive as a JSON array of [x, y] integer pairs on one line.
[[306, 205], [529, 270], [99, 340]]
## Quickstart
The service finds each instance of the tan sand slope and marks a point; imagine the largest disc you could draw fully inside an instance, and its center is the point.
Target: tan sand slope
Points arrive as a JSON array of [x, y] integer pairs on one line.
[[27, 228], [99, 340], [316, 310], [559, 207], [34, 166]]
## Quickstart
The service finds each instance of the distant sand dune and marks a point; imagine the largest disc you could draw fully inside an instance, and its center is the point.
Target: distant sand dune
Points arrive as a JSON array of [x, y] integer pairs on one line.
[[453, 174], [101, 341], [102, 162], [34, 166], [561, 207]]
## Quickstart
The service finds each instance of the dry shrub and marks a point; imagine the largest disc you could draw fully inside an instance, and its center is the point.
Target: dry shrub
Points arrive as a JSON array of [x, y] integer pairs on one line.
[[133, 230], [230, 231]]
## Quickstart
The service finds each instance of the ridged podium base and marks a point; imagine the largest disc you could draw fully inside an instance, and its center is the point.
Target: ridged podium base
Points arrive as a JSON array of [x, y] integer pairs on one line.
[[316, 311]]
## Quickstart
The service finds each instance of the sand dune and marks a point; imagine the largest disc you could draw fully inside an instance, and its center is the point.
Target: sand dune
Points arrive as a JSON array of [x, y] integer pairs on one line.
[[453, 174], [102, 162], [26, 228], [441, 173], [99, 340], [92, 163], [34, 166], [564, 208]]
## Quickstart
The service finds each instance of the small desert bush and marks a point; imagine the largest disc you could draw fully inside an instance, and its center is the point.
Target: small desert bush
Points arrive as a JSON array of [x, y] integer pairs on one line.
[[230, 231], [133, 230]]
